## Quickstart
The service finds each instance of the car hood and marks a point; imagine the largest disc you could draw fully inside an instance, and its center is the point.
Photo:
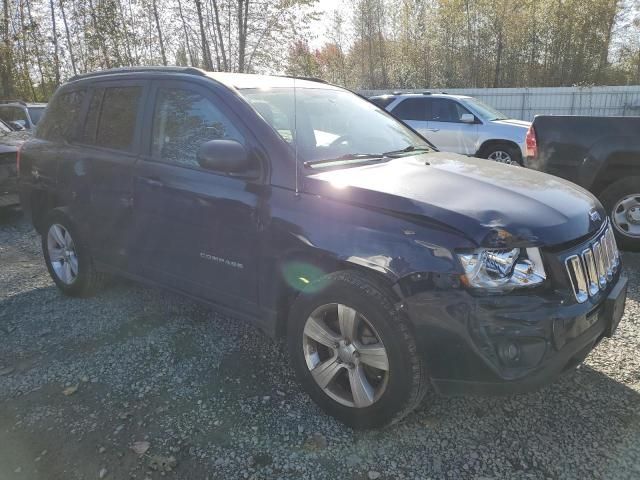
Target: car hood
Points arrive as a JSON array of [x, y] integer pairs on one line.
[[489, 203], [512, 122]]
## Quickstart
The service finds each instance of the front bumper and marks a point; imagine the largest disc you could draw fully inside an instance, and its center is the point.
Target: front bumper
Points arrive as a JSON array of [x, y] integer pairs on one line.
[[468, 342]]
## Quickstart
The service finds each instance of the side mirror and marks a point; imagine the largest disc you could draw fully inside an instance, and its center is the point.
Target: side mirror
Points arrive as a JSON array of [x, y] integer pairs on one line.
[[226, 156], [467, 118]]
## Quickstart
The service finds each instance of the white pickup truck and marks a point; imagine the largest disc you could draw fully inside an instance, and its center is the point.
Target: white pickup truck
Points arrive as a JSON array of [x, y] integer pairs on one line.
[[460, 124]]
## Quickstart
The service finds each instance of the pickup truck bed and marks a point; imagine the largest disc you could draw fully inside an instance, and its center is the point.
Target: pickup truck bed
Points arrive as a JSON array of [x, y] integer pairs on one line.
[[602, 155]]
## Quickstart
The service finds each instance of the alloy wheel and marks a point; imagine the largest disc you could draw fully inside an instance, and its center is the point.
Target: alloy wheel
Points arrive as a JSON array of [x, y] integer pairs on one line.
[[62, 254], [345, 355], [626, 215], [501, 156]]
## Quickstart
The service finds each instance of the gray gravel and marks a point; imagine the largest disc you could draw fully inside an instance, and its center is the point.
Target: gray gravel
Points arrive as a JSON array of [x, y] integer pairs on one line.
[[82, 381]]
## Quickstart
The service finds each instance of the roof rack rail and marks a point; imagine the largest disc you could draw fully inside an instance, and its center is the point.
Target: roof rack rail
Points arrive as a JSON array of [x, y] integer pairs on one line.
[[21, 102], [150, 69], [308, 79], [396, 92]]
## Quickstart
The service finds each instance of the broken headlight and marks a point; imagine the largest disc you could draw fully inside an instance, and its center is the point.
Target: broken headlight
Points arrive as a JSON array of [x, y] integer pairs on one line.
[[502, 269]]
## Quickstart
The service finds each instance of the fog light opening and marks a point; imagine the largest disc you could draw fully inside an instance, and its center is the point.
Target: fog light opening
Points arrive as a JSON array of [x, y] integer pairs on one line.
[[509, 352]]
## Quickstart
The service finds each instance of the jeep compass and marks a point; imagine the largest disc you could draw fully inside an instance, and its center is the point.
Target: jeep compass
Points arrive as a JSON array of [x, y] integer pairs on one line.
[[390, 268]]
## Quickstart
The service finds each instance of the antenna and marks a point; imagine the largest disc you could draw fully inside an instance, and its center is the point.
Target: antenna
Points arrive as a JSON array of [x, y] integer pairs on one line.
[[295, 131]]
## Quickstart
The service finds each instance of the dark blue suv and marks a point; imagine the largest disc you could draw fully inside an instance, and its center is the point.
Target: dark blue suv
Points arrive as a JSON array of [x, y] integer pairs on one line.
[[390, 267]]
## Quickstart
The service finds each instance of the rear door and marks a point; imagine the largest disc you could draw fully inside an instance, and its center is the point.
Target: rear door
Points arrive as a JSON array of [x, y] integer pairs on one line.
[[103, 169], [196, 230], [447, 131], [414, 111]]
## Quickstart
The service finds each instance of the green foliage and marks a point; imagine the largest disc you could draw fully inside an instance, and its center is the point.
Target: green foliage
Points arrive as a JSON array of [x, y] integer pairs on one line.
[[370, 43], [483, 43]]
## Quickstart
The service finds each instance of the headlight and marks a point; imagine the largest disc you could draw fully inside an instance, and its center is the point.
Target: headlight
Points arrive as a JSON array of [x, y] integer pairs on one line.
[[503, 269]]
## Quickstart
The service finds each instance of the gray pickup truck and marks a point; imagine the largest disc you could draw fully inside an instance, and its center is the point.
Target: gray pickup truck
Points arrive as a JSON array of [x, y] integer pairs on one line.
[[602, 155]]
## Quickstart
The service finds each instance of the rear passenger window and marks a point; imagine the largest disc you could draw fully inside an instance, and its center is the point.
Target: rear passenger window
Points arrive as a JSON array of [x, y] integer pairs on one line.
[[182, 121], [411, 109], [61, 117], [117, 120]]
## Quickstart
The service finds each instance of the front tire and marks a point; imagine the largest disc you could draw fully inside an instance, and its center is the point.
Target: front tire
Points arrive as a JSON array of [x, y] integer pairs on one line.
[[67, 256], [354, 352], [621, 199]]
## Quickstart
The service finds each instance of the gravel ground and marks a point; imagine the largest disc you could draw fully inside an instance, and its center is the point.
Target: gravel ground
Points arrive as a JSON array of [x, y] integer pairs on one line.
[[138, 383]]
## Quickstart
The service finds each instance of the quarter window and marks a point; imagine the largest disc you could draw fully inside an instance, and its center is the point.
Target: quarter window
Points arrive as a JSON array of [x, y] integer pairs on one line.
[[60, 120], [182, 121]]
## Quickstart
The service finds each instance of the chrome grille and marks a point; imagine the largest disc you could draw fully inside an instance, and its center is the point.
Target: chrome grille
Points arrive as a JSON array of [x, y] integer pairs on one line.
[[591, 270]]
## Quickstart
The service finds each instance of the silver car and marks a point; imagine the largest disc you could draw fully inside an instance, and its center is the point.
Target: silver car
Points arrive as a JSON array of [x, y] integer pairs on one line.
[[460, 124]]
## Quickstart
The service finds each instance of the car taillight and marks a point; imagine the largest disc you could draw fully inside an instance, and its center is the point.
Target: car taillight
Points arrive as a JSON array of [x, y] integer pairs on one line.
[[532, 143], [18, 159]]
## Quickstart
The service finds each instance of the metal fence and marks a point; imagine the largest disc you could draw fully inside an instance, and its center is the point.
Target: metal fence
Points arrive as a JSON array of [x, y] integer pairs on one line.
[[525, 103]]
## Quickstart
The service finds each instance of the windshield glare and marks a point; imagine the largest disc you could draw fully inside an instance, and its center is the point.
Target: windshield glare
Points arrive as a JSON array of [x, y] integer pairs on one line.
[[330, 123], [485, 111]]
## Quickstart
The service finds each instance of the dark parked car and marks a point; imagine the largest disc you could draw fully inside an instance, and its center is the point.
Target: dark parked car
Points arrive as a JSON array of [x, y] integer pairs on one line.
[[21, 115], [10, 142], [314, 214], [601, 154]]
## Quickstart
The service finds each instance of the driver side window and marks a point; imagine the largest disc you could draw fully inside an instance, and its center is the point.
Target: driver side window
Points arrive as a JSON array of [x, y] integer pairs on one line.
[[182, 121]]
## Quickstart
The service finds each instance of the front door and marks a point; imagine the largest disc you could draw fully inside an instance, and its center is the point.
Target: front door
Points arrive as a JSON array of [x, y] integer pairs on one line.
[[196, 230], [446, 130]]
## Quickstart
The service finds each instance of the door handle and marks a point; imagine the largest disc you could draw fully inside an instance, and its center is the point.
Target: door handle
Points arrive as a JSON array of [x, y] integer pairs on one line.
[[433, 129], [152, 182]]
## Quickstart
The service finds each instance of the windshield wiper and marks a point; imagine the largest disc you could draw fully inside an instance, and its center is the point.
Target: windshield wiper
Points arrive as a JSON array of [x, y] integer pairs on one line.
[[408, 149], [349, 157], [363, 157]]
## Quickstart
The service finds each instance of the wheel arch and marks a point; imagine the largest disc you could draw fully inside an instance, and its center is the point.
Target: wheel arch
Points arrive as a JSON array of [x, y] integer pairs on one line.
[[616, 165], [487, 144], [297, 271], [41, 203]]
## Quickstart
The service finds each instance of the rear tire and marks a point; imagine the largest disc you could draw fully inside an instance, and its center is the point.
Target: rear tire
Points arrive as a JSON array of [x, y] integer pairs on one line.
[[393, 379], [503, 153], [621, 199], [67, 256]]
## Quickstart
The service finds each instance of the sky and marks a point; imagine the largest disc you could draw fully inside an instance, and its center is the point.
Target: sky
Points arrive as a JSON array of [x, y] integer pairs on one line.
[[319, 28]]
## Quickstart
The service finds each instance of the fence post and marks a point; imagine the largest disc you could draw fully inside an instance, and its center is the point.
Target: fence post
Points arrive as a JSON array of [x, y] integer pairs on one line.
[[573, 101], [524, 99]]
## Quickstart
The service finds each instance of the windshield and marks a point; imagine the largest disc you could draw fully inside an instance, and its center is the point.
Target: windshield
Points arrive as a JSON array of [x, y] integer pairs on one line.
[[4, 127], [331, 124], [486, 112], [35, 113]]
